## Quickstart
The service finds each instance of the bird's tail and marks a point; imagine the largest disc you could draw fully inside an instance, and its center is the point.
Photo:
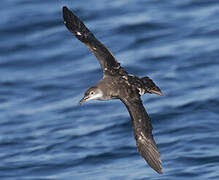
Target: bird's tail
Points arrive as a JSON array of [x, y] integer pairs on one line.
[[150, 86], [76, 26]]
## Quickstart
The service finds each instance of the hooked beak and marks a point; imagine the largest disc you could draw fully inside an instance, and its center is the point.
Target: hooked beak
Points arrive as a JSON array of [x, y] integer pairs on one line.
[[84, 99]]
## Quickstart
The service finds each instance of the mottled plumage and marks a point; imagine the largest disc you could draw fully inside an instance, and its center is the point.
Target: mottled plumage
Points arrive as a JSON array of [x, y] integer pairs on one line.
[[117, 83]]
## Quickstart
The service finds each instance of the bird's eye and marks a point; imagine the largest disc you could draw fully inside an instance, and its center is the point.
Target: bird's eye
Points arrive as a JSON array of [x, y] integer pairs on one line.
[[92, 92]]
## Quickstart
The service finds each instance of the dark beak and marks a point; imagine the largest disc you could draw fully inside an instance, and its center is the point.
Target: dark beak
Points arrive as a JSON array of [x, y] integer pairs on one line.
[[82, 101]]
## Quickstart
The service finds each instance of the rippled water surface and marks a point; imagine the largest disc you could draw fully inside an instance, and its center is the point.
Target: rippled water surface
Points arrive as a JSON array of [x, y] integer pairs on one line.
[[44, 71]]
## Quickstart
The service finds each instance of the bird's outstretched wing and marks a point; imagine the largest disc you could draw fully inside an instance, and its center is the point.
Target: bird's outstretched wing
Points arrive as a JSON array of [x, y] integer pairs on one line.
[[107, 61], [143, 132]]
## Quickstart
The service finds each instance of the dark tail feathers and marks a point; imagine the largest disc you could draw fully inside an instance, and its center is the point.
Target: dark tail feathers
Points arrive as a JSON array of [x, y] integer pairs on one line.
[[151, 87]]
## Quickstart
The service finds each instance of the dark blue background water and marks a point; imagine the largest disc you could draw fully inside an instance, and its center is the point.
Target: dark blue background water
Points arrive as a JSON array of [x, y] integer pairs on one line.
[[44, 71]]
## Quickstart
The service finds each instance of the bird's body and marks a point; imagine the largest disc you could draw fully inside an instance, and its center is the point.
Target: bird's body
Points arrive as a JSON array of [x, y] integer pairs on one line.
[[122, 84], [117, 83]]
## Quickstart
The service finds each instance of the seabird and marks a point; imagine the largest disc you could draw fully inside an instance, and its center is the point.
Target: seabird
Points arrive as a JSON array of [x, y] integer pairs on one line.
[[118, 84]]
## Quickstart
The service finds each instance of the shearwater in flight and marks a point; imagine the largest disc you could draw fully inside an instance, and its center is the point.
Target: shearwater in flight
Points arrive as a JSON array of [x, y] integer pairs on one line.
[[117, 83]]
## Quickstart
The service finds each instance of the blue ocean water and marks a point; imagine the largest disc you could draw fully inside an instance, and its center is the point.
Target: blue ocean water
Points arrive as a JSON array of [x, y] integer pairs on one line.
[[44, 72]]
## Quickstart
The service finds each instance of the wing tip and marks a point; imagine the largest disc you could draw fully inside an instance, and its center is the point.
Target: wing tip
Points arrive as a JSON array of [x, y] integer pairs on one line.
[[158, 170], [76, 26], [65, 12], [157, 167], [148, 150], [64, 9]]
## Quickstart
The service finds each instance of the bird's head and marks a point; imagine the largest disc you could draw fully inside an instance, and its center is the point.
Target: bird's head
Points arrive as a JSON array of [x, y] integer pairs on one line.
[[91, 94]]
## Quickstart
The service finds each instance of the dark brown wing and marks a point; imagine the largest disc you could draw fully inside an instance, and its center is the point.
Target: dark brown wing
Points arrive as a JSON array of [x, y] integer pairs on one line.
[[75, 25], [143, 132]]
